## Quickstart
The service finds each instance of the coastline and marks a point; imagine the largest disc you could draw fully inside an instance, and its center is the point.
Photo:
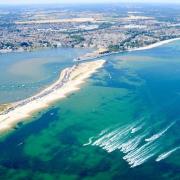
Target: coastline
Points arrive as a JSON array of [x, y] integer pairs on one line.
[[4, 51], [151, 46], [70, 80], [157, 44]]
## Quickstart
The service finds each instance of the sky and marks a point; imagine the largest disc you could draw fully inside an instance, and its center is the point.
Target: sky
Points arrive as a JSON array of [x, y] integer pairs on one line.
[[82, 1]]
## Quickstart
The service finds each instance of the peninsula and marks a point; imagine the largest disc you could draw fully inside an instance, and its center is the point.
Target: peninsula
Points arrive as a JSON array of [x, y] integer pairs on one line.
[[70, 80]]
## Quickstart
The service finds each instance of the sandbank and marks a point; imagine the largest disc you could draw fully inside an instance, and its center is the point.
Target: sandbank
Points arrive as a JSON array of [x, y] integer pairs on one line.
[[70, 80]]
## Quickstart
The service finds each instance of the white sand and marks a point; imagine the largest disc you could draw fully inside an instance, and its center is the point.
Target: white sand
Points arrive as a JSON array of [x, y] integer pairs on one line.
[[70, 80], [155, 45]]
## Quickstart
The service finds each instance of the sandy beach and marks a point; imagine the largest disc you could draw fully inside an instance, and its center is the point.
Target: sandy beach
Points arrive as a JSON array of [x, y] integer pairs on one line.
[[155, 45], [95, 54], [70, 80]]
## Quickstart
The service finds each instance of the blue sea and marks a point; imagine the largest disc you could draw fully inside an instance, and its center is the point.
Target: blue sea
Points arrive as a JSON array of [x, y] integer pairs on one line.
[[122, 124]]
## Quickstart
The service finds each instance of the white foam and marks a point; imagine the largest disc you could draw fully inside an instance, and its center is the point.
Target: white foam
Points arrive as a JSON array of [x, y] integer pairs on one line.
[[136, 129], [158, 135], [89, 141], [166, 154], [114, 141], [142, 155], [131, 144], [103, 132], [137, 163], [130, 141], [135, 152]]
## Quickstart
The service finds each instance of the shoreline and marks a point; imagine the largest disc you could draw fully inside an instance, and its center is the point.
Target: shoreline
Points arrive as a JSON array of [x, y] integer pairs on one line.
[[5, 51], [70, 80], [151, 46], [157, 44]]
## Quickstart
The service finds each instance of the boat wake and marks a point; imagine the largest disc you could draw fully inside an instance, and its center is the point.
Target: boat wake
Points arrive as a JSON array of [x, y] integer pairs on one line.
[[137, 128], [90, 141], [166, 154], [132, 142], [158, 135]]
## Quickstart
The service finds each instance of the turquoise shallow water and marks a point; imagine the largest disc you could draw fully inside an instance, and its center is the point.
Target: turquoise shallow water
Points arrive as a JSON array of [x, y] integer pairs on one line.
[[122, 124], [26, 73]]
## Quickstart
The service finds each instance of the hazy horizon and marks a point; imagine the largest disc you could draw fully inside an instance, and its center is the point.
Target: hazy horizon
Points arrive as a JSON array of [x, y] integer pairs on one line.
[[14, 2]]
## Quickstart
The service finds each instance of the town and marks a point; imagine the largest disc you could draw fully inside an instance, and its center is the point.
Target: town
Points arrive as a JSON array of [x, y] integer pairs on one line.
[[122, 28]]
